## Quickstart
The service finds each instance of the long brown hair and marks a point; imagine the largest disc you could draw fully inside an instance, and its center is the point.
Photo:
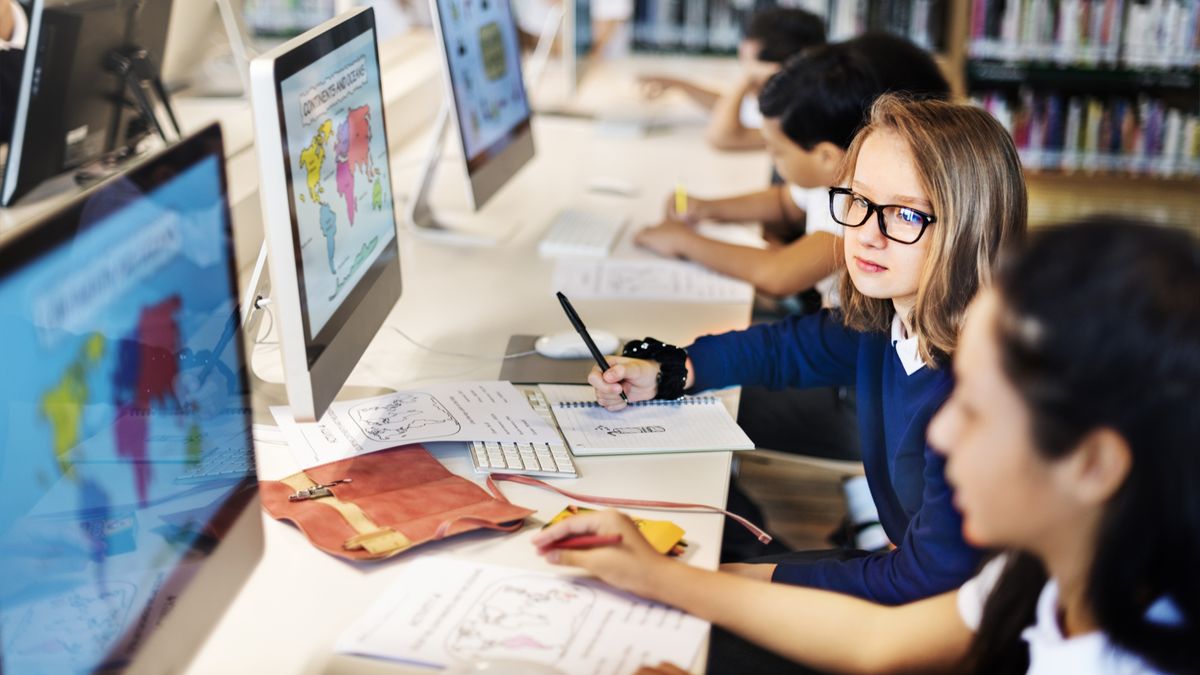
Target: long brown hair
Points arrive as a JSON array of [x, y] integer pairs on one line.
[[969, 169]]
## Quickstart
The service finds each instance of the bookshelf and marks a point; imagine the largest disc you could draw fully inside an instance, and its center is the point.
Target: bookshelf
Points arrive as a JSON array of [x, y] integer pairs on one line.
[[714, 26], [1092, 87]]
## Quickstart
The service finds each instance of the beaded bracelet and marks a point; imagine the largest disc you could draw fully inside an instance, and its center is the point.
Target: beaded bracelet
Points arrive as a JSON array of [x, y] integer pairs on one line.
[[672, 360]]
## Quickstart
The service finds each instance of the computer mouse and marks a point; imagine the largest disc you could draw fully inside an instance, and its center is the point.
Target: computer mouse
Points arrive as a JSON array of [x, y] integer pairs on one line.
[[568, 344], [488, 666]]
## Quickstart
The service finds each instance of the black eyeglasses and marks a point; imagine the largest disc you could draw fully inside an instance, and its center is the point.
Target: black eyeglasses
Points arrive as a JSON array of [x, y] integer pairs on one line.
[[898, 223]]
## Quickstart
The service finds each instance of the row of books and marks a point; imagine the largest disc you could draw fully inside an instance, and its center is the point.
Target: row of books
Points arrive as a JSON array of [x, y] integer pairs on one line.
[[285, 17], [716, 25], [1130, 33], [1091, 134]]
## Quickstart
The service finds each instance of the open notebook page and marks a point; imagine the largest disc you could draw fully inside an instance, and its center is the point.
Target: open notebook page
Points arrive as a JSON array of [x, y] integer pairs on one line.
[[689, 424]]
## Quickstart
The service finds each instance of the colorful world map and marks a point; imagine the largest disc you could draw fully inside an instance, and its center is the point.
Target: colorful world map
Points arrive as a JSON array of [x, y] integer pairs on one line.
[[352, 159], [143, 377]]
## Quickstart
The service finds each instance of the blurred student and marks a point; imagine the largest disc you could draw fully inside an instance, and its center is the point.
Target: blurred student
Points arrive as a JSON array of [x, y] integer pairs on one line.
[[14, 28], [811, 110], [1071, 441], [771, 37]]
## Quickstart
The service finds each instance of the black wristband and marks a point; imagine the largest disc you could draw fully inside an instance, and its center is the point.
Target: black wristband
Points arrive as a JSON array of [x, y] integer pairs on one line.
[[672, 360]]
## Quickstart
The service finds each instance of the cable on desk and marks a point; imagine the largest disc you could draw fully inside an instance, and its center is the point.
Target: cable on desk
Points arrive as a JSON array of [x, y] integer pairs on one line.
[[460, 354]]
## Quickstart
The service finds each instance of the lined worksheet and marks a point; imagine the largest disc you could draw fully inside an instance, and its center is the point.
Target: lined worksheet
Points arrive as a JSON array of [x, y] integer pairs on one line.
[[657, 279]]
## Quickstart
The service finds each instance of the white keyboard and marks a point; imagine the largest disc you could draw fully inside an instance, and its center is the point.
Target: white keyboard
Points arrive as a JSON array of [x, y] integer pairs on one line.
[[577, 232], [550, 460]]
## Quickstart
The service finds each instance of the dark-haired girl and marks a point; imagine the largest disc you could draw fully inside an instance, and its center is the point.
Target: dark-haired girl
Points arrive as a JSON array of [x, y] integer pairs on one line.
[[1072, 439]]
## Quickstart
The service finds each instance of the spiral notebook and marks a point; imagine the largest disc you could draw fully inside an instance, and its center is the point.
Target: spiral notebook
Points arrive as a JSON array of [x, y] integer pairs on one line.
[[689, 424]]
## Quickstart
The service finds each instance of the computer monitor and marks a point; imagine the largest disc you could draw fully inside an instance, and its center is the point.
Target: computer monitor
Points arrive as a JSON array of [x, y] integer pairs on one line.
[[89, 87], [124, 395], [326, 192], [481, 60], [577, 45]]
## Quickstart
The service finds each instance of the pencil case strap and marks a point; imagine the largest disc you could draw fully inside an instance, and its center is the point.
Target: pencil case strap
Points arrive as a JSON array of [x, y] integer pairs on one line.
[[757, 531]]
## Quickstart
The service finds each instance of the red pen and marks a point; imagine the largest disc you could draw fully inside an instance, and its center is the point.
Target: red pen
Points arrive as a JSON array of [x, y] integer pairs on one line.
[[583, 541]]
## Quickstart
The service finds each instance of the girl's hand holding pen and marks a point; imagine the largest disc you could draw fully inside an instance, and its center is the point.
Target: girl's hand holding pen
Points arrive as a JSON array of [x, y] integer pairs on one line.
[[637, 378], [629, 562]]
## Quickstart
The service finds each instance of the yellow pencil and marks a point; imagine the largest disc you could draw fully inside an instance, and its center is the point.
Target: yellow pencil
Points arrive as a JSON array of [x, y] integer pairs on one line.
[[680, 200]]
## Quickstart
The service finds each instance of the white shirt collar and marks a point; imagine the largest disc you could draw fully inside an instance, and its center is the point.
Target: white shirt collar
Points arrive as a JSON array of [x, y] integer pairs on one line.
[[20, 28], [1051, 652], [906, 348]]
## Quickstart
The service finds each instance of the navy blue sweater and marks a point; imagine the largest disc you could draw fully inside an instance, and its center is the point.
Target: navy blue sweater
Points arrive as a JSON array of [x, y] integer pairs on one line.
[[906, 477]]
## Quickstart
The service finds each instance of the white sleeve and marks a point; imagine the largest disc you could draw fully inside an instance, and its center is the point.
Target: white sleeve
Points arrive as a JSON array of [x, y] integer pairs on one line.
[[612, 10], [817, 217], [20, 28], [973, 595]]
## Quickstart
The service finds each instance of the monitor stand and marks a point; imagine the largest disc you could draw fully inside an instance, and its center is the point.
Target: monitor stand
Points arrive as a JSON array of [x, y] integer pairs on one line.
[[420, 216], [265, 393], [141, 81]]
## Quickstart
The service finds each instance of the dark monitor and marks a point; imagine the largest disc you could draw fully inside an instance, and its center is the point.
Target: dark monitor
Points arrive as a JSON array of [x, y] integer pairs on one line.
[[130, 511], [74, 107]]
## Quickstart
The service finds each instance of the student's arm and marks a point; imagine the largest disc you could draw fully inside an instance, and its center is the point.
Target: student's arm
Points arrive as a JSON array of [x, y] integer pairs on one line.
[[809, 351], [826, 630], [655, 85], [931, 557], [777, 271], [725, 130], [771, 204], [7, 21]]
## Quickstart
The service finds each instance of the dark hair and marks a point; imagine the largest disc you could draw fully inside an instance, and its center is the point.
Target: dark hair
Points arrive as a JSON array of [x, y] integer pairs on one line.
[[823, 94], [1100, 328], [783, 32]]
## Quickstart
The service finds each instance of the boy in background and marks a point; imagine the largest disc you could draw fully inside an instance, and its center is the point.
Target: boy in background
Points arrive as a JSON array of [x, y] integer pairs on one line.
[[771, 37]]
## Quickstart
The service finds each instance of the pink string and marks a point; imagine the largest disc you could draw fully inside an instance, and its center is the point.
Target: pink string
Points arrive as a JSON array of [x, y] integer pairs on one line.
[[619, 501]]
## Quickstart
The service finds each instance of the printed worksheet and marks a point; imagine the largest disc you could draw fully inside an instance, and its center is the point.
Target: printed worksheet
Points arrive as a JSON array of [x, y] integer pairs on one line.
[[443, 612], [671, 280], [453, 411]]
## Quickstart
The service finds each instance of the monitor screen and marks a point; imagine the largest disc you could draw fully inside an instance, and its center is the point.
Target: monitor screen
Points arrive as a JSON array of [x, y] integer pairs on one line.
[[483, 55], [123, 412], [337, 164]]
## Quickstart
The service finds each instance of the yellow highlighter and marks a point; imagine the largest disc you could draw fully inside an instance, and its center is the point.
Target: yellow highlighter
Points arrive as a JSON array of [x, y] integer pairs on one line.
[[680, 200]]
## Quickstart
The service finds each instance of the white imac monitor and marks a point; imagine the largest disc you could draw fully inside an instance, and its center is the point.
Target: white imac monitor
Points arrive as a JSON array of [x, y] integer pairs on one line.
[[326, 193], [130, 516], [481, 60]]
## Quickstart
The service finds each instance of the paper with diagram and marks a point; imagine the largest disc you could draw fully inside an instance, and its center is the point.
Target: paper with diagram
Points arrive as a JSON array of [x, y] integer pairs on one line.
[[442, 612], [671, 280], [453, 411], [688, 424]]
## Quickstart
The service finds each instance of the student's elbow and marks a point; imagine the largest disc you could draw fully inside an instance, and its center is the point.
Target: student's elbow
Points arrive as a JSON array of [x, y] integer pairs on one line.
[[772, 281], [721, 139]]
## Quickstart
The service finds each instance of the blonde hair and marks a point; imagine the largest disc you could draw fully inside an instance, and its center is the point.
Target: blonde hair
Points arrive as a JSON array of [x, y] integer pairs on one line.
[[968, 168]]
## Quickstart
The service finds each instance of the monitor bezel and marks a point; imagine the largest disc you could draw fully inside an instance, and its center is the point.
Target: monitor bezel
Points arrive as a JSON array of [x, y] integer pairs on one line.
[[315, 366], [493, 166]]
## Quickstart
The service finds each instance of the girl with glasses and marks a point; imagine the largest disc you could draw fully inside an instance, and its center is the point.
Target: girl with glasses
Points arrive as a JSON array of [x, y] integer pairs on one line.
[[1071, 441], [903, 304]]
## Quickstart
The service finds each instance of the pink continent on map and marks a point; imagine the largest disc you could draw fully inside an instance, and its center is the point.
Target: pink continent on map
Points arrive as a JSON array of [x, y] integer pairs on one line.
[[353, 150]]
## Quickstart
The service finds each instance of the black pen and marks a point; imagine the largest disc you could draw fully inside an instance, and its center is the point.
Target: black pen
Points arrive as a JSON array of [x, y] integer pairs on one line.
[[587, 339]]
